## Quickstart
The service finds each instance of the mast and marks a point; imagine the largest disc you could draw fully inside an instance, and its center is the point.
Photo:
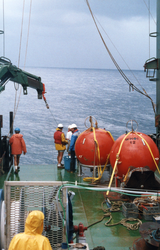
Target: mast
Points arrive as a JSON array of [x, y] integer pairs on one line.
[[154, 64]]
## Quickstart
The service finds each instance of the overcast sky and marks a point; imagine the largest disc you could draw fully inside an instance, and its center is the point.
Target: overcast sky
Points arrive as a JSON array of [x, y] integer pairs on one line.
[[63, 34]]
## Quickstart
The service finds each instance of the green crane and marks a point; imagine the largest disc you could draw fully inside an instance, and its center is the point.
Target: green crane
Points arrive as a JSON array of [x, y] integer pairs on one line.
[[9, 72]]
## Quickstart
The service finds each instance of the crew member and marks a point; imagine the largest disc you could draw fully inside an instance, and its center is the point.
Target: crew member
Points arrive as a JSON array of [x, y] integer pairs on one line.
[[60, 144], [68, 136], [75, 134], [17, 147], [31, 238]]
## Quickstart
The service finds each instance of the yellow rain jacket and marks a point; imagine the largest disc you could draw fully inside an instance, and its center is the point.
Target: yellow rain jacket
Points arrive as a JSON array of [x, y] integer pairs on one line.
[[31, 239], [60, 140]]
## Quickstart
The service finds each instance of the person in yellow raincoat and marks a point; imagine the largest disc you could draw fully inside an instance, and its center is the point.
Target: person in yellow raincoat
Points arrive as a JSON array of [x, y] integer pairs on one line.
[[31, 238]]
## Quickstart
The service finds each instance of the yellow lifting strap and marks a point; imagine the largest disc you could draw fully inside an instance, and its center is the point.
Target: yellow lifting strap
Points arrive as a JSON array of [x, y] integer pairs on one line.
[[118, 157], [149, 151], [100, 171]]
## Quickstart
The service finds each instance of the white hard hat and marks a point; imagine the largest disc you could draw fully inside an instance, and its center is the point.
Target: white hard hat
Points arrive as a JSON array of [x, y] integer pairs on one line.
[[60, 125], [69, 127], [73, 126]]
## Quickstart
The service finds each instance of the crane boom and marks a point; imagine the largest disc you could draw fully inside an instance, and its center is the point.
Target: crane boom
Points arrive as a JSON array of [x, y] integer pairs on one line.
[[9, 72]]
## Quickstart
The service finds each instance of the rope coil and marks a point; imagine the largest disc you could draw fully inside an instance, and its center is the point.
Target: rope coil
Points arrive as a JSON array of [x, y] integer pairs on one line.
[[126, 224]]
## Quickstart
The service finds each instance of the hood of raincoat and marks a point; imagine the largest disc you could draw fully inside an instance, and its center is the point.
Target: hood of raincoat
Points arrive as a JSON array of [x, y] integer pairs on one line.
[[18, 135], [58, 129], [34, 223]]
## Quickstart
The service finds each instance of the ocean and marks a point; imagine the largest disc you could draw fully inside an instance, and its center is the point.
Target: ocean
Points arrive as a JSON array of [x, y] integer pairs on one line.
[[72, 96]]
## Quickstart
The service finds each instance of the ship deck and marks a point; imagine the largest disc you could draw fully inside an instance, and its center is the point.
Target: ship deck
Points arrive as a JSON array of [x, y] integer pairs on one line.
[[86, 206]]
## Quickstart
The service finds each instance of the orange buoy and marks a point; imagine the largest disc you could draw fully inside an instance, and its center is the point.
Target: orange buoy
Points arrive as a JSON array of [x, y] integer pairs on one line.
[[93, 146], [137, 150]]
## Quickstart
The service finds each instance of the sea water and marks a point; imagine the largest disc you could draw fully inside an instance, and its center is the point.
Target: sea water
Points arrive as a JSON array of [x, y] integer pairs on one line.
[[72, 96]]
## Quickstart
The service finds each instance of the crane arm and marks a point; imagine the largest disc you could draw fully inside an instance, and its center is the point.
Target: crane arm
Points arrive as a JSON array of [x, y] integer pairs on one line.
[[9, 72]]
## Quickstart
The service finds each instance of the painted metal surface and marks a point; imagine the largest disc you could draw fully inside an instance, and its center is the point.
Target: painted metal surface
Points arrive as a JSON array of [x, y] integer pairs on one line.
[[15, 74], [150, 233], [93, 147], [137, 150]]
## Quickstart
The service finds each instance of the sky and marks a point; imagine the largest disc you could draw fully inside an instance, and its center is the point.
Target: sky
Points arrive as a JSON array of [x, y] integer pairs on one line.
[[62, 33]]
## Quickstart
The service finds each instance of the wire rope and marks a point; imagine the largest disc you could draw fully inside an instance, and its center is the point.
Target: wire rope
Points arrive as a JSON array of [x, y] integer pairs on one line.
[[3, 31], [26, 45], [28, 33], [21, 34], [149, 22], [20, 45], [119, 53], [149, 26], [149, 10], [53, 117], [29, 21], [16, 106], [132, 86]]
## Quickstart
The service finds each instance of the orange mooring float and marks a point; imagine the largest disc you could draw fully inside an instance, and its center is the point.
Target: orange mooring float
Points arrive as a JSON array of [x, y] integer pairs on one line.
[[93, 146], [134, 149]]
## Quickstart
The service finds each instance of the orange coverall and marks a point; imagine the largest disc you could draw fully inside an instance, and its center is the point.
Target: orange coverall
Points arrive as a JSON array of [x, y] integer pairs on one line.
[[17, 144]]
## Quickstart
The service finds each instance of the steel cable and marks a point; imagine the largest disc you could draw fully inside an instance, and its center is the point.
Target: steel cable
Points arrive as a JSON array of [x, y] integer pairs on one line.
[[132, 86]]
